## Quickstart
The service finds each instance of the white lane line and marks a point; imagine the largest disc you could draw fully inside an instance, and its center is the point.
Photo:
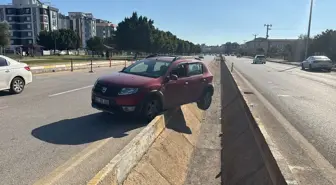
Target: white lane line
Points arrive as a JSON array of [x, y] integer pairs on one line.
[[283, 95], [73, 90], [3, 107]]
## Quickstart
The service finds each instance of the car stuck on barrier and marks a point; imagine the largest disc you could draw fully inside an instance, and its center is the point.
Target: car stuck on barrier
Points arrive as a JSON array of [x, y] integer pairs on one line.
[[154, 84]]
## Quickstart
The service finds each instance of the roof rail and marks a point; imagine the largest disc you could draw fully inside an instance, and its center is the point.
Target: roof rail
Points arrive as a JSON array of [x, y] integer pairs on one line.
[[185, 57]]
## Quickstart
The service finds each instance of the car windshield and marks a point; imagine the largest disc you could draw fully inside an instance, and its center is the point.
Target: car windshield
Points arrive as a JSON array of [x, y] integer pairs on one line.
[[148, 68]]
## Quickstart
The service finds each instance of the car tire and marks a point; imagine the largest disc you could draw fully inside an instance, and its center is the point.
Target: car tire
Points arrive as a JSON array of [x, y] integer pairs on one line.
[[205, 102], [302, 67], [17, 85], [151, 109]]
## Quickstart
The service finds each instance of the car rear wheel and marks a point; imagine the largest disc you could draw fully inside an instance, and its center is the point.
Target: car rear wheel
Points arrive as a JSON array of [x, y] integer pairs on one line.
[[205, 102], [302, 67], [17, 85], [151, 109]]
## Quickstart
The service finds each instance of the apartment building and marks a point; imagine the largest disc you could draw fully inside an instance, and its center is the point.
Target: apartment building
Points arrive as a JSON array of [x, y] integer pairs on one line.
[[104, 28], [84, 24], [26, 19], [63, 21]]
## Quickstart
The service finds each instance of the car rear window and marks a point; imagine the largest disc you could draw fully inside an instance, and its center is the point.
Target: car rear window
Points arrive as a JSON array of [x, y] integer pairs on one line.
[[260, 57]]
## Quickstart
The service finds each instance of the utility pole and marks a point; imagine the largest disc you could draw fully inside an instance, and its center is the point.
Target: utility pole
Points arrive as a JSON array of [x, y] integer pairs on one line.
[[268, 27], [309, 25], [254, 41]]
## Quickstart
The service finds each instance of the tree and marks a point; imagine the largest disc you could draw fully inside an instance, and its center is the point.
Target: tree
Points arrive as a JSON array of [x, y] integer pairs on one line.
[[138, 33], [95, 44], [288, 51], [63, 39], [324, 44], [260, 51], [4, 35]]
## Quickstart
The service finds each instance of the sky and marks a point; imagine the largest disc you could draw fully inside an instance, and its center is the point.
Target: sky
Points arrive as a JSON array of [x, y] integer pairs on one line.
[[214, 22]]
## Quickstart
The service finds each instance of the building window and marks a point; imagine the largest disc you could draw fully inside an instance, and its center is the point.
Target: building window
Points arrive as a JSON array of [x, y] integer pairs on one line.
[[28, 18], [12, 42], [10, 18], [28, 26], [29, 34], [11, 34], [27, 10], [30, 41]]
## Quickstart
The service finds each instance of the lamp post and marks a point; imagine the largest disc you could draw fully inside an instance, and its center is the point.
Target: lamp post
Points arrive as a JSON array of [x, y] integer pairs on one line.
[[309, 25]]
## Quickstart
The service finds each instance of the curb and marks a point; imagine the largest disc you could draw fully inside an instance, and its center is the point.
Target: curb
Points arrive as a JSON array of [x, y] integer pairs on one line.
[[117, 170], [67, 67]]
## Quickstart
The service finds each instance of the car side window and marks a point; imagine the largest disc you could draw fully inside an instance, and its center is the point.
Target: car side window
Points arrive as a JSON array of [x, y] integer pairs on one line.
[[195, 69], [180, 71], [3, 62]]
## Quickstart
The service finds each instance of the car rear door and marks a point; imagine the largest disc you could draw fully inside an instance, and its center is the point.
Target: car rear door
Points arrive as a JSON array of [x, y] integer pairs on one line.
[[4, 73], [196, 82]]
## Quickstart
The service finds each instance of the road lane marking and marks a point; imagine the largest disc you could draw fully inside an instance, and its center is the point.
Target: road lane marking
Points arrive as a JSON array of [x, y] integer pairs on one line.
[[284, 95], [69, 91], [62, 170], [4, 107]]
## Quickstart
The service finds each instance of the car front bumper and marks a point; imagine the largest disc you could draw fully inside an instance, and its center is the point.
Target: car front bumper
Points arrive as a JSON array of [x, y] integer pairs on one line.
[[110, 105]]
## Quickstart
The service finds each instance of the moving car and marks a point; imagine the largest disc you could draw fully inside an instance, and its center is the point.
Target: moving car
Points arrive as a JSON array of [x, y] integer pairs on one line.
[[201, 57], [154, 84], [259, 59], [317, 62], [14, 76]]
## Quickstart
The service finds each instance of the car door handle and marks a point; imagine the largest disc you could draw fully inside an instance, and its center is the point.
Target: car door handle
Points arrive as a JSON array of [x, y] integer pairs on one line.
[[7, 71]]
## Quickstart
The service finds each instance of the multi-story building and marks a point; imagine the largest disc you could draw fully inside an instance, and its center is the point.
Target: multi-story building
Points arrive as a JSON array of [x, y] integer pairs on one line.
[[26, 19], [84, 24], [63, 21], [104, 28]]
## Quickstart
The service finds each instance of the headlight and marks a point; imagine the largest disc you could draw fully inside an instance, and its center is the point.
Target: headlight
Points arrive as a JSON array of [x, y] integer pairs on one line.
[[128, 91]]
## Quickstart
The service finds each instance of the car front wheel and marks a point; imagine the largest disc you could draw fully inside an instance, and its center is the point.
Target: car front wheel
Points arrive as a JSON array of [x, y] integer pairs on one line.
[[151, 109], [205, 102], [17, 85]]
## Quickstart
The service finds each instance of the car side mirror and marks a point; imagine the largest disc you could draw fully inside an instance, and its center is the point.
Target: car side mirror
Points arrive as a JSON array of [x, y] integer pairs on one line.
[[173, 77]]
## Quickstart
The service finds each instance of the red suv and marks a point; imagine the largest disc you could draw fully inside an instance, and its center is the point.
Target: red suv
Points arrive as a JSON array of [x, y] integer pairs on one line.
[[154, 84]]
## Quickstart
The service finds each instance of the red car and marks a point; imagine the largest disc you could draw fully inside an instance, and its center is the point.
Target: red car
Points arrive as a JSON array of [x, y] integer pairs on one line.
[[154, 84]]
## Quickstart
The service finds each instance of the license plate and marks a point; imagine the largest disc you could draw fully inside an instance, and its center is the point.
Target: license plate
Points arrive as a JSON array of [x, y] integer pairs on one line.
[[102, 101]]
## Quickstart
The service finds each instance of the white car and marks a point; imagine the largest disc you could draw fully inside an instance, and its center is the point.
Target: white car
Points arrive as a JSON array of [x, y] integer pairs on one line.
[[317, 62], [14, 75], [259, 59]]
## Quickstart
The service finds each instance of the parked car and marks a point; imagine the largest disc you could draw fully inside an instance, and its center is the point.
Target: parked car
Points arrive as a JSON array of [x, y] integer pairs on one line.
[[259, 59], [14, 75], [201, 57], [153, 85], [317, 62]]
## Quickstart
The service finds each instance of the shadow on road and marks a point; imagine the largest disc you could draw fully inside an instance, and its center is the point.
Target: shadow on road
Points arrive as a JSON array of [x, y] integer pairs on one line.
[[177, 121], [5, 93], [86, 129]]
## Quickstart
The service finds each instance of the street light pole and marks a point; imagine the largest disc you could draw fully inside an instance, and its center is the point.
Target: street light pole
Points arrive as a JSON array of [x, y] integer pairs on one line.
[[309, 25], [268, 27]]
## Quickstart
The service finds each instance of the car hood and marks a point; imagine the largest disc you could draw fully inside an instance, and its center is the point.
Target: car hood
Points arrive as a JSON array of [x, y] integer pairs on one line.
[[124, 79]]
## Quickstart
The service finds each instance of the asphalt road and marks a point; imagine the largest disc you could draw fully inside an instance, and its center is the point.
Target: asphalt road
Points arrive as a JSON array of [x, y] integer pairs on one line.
[[50, 133], [306, 99]]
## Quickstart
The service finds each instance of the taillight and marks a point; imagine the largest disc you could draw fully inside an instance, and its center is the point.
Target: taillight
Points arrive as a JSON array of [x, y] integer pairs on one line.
[[27, 68]]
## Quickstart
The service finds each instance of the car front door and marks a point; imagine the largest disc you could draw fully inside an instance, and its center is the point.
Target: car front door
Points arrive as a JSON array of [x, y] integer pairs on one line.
[[306, 62], [4, 73], [175, 90], [196, 81]]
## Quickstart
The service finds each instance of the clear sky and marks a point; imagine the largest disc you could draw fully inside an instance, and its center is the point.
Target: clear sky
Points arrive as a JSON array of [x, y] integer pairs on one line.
[[214, 21]]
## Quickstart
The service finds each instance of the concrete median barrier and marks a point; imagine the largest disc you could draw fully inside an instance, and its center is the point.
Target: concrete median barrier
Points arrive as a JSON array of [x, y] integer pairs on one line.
[[122, 168], [246, 157]]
